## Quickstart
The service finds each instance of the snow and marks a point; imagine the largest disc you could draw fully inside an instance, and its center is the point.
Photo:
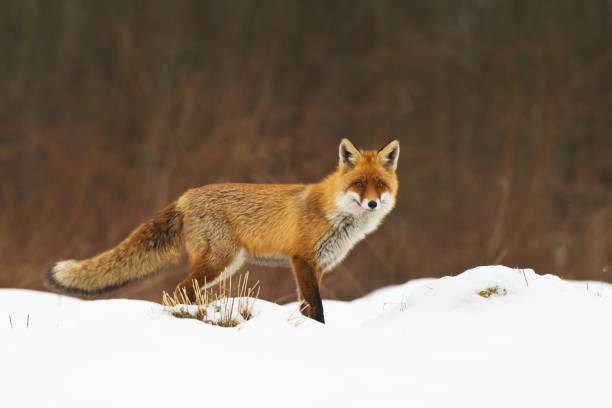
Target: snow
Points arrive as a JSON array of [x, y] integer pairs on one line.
[[540, 341]]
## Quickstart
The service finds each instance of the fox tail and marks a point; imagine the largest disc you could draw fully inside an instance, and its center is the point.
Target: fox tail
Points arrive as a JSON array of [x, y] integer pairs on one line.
[[149, 247]]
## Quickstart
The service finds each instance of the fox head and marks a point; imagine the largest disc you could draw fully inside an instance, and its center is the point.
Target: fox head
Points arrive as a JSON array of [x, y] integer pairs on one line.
[[367, 180]]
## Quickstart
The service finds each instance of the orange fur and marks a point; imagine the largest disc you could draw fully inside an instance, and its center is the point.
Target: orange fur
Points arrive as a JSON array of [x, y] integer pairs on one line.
[[310, 226]]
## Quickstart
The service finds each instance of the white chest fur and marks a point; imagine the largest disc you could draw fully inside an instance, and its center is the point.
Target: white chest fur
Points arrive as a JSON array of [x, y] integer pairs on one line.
[[351, 222], [348, 229]]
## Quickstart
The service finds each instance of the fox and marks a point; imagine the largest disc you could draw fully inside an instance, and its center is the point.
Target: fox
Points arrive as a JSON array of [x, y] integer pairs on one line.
[[308, 227]]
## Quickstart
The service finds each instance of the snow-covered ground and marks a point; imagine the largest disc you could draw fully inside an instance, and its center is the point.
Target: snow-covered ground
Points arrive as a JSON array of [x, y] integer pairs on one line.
[[539, 342]]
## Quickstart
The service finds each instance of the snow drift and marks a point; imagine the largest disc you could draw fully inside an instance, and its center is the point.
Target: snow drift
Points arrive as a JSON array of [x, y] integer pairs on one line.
[[491, 336]]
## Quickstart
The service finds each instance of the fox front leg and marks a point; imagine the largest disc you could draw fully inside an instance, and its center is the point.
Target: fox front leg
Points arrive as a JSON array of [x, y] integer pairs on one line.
[[308, 289]]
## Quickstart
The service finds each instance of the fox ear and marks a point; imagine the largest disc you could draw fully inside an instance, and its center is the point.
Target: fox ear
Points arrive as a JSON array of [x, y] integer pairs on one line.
[[388, 155], [349, 155]]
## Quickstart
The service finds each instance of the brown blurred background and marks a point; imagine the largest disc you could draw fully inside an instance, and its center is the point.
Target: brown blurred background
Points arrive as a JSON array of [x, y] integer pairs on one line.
[[111, 109]]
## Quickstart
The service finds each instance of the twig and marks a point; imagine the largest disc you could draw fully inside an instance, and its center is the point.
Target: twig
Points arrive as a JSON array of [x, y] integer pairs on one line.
[[297, 315], [524, 276], [402, 304], [10, 321]]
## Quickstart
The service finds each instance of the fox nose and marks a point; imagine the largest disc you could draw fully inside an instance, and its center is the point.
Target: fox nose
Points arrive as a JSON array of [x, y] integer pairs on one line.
[[372, 204]]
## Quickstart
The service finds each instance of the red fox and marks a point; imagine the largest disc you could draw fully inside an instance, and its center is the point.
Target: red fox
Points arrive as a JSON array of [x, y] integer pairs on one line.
[[310, 227]]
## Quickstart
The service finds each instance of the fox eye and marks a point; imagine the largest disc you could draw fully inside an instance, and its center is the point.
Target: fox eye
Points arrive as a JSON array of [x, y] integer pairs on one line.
[[359, 184], [379, 185]]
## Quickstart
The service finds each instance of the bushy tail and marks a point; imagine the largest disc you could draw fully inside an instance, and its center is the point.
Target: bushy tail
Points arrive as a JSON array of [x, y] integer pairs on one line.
[[148, 248]]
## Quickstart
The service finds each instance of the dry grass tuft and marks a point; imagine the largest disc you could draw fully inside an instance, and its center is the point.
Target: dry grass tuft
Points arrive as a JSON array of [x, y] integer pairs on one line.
[[227, 306], [297, 316], [493, 290]]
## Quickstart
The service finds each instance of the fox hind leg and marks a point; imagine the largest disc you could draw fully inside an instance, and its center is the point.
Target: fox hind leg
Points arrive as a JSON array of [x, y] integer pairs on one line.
[[210, 266]]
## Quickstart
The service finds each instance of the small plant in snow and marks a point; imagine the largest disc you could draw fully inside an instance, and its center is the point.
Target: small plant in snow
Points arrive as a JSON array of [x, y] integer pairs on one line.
[[297, 316], [222, 307], [403, 304], [493, 290]]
